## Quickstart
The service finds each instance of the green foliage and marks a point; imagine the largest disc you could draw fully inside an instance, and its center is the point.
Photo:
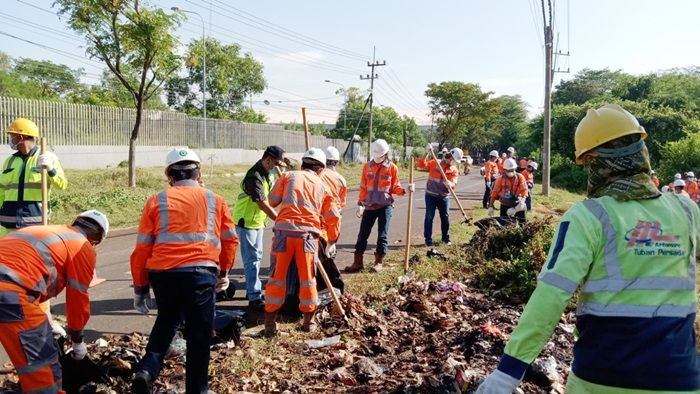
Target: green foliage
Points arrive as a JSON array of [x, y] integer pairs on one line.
[[386, 122], [231, 76], [680, 156], [508, 121], [461, 111], [314, 129], [53, 80], [508, 260], [565, 173]]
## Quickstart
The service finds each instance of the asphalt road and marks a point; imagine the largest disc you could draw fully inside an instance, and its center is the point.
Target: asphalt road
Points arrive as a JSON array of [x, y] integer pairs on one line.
[[112, 301]]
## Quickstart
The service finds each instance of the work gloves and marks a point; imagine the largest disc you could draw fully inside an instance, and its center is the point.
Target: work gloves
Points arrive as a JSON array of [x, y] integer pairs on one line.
[[222, 283], [330, 250], [79, 350], [56, 328], [411, 187], [360, 211], [511, 211], [143, 302], [490, 212], [498, 383], [44, 161], [521, 205]]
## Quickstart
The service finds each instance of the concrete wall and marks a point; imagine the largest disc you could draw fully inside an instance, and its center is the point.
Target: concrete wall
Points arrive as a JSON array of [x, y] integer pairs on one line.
[[103, 156]]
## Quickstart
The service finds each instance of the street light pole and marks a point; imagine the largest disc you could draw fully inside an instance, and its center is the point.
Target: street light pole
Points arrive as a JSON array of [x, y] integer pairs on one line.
[[345, 113], [204, 70]]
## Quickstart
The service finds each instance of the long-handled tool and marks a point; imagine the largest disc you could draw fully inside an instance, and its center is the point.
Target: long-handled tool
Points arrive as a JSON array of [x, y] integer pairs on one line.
[[442, 172], [331, 290], [44, 187], [306, 128], [410, 216]]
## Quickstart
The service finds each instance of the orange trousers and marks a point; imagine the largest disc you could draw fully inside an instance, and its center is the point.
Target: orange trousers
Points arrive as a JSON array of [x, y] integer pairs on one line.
[[26, 335], [301, 247]]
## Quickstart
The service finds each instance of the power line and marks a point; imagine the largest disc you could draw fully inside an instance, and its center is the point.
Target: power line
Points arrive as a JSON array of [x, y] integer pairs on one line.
[[311, 41]]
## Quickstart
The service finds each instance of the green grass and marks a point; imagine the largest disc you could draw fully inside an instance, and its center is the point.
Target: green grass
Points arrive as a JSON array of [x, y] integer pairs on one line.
[[106, 190]]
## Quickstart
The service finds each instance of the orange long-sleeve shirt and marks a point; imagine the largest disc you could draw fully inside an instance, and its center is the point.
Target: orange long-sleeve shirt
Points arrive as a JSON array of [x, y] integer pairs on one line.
[[185, 225], [378, 183], [45, 260]]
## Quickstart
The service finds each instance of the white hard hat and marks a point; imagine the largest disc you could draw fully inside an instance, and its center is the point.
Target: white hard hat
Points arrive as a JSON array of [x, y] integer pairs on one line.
[[315, 154], [457, 154], [653, 172], [444, 150], [678, 182], [511, 150], [503, 155], [332, 153], [664, 188], [532, 164], [510, 164], [493, 153], [181, 154], [690, 174], [379, 148], [677, 176], [99, 217]]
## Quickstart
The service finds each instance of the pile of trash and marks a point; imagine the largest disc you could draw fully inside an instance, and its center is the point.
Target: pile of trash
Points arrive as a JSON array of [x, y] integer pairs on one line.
[[417, 337]]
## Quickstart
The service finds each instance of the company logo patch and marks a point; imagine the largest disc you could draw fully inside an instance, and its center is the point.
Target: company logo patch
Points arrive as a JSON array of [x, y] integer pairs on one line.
[[182, 153], [647, 233]]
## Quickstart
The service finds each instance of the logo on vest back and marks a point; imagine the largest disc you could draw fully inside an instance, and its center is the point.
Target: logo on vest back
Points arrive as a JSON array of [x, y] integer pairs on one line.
[[650, 234]]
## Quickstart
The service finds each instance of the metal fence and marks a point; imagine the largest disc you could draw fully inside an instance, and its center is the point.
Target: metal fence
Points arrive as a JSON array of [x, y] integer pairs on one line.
[[81, 124]]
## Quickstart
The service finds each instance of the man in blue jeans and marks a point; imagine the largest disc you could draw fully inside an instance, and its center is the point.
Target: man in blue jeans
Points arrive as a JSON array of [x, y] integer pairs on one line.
[[437, 194], [250, 215]]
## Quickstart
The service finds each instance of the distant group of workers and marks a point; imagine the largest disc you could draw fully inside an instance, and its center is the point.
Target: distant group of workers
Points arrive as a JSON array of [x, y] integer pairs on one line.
[[510, 182]]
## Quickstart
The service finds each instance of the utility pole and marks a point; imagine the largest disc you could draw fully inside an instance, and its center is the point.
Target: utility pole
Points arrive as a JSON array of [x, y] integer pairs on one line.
[[548, 49], [372, 76]]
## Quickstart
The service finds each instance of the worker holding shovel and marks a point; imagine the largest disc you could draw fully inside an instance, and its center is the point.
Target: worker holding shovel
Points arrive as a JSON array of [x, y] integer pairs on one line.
[[630, 251], [437, 194]]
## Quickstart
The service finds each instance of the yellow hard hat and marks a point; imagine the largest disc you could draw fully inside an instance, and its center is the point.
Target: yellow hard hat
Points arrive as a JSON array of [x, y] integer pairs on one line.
[[603, 125], [24, 127]]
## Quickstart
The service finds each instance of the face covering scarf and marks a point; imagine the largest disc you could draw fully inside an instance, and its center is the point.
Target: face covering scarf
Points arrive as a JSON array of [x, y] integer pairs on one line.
[[621, 173]]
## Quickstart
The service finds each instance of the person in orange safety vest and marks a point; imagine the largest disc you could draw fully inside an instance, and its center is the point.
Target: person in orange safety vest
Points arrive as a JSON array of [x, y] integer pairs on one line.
[[305, 208], [186, 245], [491, 172], [378, 185], [511, 191], [691, 186], [37, 263], [337, 186], [437, 194]]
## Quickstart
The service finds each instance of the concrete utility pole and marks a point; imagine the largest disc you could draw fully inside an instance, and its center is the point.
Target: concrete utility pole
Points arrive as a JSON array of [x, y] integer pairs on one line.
[[372, 76], [548, 49]]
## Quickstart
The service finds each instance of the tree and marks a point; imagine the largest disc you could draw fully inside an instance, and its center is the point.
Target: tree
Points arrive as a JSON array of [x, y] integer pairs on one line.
[[53, 80], [589, 84], [460, 111], [112, 93], [136, 44], [231, 77], [509, 121]]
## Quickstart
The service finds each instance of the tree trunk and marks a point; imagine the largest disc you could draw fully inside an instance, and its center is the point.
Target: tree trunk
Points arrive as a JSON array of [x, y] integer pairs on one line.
[[132, 143]]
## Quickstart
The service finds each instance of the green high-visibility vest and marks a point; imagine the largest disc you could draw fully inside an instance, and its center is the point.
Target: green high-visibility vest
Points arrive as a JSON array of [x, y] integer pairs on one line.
[[246, 213]]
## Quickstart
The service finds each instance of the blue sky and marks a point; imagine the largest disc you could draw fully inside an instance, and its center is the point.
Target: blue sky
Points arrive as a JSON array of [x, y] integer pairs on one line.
[[496, 43]]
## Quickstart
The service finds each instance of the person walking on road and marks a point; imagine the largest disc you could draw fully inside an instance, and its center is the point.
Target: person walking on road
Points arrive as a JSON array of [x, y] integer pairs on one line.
[[511, 191], [305, 209], [630, 252], [378, 185], [37, 263], [185, 246], [437, 194], [20, 185], [490, 175], [250, 215]]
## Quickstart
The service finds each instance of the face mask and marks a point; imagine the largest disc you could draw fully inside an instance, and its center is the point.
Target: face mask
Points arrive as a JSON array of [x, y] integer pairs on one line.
[[12, 144], [378, 160], [510, 174]]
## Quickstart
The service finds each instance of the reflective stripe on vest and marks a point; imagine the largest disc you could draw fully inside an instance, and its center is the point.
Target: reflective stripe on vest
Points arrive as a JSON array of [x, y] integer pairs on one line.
[[616, 283], [42, 247], [166, 236]]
